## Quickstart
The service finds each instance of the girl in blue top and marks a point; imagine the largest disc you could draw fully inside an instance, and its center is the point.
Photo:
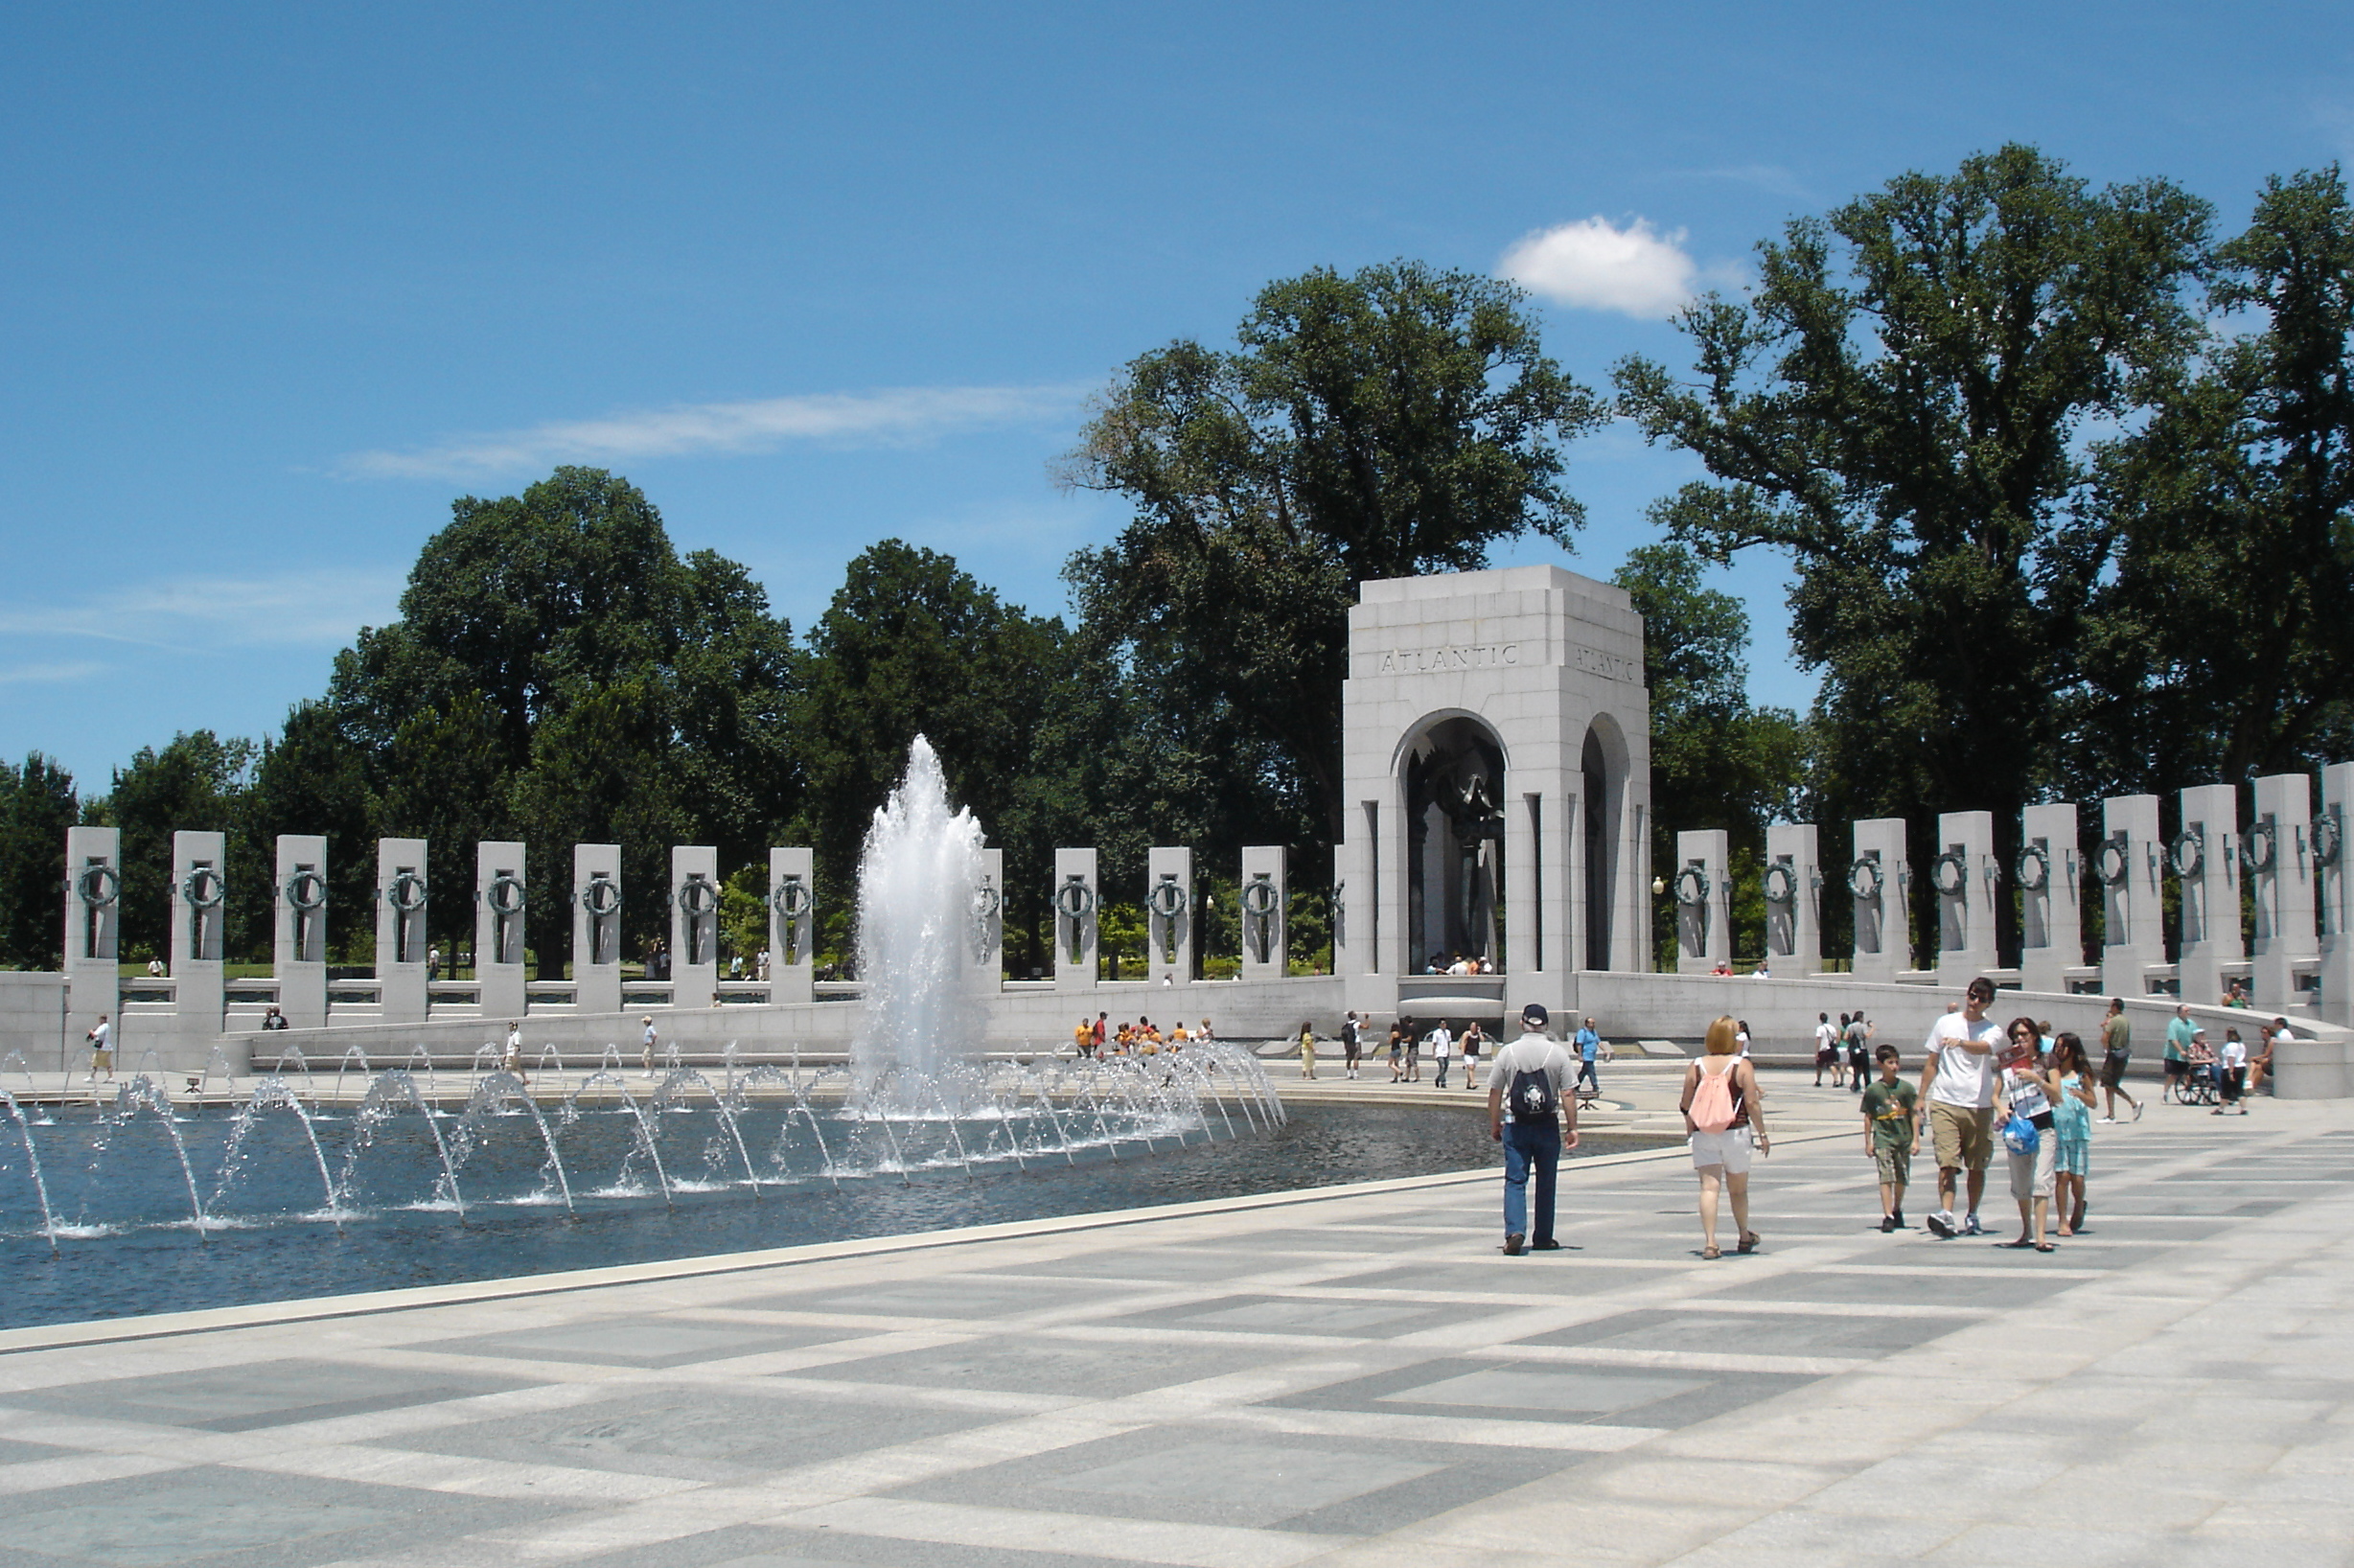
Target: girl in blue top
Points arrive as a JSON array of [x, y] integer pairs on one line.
[[2072, 1125]]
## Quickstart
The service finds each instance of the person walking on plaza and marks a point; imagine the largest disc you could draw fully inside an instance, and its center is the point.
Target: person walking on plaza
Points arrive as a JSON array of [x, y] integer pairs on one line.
[[1351, 1045], [2025, 1093], [2072, 1122], [1589, 1056], [1442, 1047], [1860, 1052], [1307, 1051], [1472, 1039], [511, 1059], [1397, 1050], [1958, 1083], [1725, 1118], [2179, 1032], [1414, 1051], [1891, 1135], [2117, 1051], [1828, 1046], [645, 1049], [102, 1049], [1527, 1111]]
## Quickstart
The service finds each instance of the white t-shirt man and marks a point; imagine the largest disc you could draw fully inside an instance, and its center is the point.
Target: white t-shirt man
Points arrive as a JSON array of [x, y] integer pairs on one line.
[[1529, 1054], [1826, 1036], [1964, 1078], [1440, 1043]]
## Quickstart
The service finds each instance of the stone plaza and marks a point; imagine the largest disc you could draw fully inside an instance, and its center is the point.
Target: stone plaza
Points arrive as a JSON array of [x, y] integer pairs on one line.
[[1347, 1376]]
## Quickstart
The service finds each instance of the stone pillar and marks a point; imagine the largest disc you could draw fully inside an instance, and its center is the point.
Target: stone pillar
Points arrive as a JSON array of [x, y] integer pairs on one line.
[[1965, 879], [2205, 858], [1075, 919], [1703, 887], [989, 924], [1169, 915], [1377, 939], [2278, 853], [2331, 863], [2126, 862], [1875, 880], [792, 926], [694, 925], [597, 927], [1266, 909], [199, 895], [2051, 897], [299, 949], [402, 896], [500, 899], [1793, 900], [93, 930]]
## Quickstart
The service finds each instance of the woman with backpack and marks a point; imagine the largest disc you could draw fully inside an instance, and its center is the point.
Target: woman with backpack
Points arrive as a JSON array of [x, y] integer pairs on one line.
[[1723, 1116]]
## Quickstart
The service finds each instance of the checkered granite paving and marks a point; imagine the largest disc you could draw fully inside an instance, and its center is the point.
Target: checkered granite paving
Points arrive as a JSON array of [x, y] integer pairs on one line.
[[1353, 1377]]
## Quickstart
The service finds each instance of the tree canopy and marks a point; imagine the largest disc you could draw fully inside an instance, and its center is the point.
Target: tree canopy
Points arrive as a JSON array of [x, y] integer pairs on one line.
[[1398, 421]]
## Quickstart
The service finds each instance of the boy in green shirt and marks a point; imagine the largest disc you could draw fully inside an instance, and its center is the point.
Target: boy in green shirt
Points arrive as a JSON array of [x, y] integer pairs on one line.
[[1891, 1135]]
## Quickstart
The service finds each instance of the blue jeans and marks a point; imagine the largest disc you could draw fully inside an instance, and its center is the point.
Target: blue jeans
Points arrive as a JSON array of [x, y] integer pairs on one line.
[[1530, 1147], [1587, 1075], [1439, 1080]]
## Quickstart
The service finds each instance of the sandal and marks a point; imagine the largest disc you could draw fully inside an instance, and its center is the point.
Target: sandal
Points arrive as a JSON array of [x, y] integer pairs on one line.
[[1749, 1242], [1710, 1253], [2046, 1247], [2020, 1245]]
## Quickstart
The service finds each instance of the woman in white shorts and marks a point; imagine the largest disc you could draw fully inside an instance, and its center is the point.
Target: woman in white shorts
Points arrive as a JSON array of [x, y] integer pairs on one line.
[[1722, 1155]]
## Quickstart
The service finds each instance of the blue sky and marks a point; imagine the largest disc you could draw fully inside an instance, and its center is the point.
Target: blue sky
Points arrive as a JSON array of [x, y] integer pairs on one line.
[[276, 282]]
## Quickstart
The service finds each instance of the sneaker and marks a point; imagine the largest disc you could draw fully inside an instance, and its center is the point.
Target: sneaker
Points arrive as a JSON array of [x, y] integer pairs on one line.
[[1972, 1227], [2108, 1121], [1899, 1216], [2137, 1110], [1941, 1225], [1888, 1223], [1513, 1243]]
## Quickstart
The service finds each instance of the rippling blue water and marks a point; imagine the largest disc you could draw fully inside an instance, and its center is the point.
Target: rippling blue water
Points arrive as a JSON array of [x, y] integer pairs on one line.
[[130, 1249]]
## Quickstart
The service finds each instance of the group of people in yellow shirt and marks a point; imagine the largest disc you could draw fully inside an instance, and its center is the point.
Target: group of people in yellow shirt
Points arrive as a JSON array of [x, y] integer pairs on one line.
[[1141, 1038]]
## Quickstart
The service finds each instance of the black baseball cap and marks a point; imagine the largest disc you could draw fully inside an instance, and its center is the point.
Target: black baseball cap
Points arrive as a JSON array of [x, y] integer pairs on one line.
[[1533, 1016]]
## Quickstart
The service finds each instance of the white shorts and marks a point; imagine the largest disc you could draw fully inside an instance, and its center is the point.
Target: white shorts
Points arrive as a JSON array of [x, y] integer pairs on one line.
[[1729, 1148]]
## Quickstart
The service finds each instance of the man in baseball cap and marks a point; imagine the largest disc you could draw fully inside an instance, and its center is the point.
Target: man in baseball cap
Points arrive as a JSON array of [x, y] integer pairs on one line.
[[1526, 1106]]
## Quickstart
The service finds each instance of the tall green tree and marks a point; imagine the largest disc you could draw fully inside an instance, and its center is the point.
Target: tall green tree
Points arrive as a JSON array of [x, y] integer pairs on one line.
[[1398, 421], [193, 785], [1716, 760], [37, 804], [912, 645], [2219, 649], [1904, 405], [559, 673], [312, 777]]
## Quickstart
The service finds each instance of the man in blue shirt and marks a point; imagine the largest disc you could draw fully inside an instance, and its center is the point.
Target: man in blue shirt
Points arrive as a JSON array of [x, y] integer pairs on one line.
[[1589, 1055]]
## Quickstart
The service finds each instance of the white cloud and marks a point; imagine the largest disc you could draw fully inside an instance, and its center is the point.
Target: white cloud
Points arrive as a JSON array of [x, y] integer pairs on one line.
[[48, 674], [892, 416], [1635, 270], [311, 608]]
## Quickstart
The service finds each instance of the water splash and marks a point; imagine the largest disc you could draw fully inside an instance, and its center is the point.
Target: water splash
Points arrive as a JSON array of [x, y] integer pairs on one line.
[[918, 881], [33, 1161]]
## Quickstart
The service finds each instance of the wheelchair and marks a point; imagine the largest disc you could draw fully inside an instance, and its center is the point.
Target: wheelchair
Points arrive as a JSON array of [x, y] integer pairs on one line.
[[2201, 1085]]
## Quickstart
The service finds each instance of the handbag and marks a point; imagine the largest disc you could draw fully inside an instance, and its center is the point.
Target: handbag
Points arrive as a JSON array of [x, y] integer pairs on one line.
[[2020, 1135]]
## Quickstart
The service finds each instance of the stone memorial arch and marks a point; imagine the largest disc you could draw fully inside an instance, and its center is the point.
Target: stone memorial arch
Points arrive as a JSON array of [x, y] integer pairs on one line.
[[1496, 751]]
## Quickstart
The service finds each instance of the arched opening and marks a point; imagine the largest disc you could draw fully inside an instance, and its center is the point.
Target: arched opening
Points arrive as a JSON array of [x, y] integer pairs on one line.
[[1603, 763], [1454, 789]]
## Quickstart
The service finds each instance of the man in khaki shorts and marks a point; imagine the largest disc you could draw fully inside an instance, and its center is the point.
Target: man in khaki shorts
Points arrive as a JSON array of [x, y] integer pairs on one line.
[[1958, 1085]]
